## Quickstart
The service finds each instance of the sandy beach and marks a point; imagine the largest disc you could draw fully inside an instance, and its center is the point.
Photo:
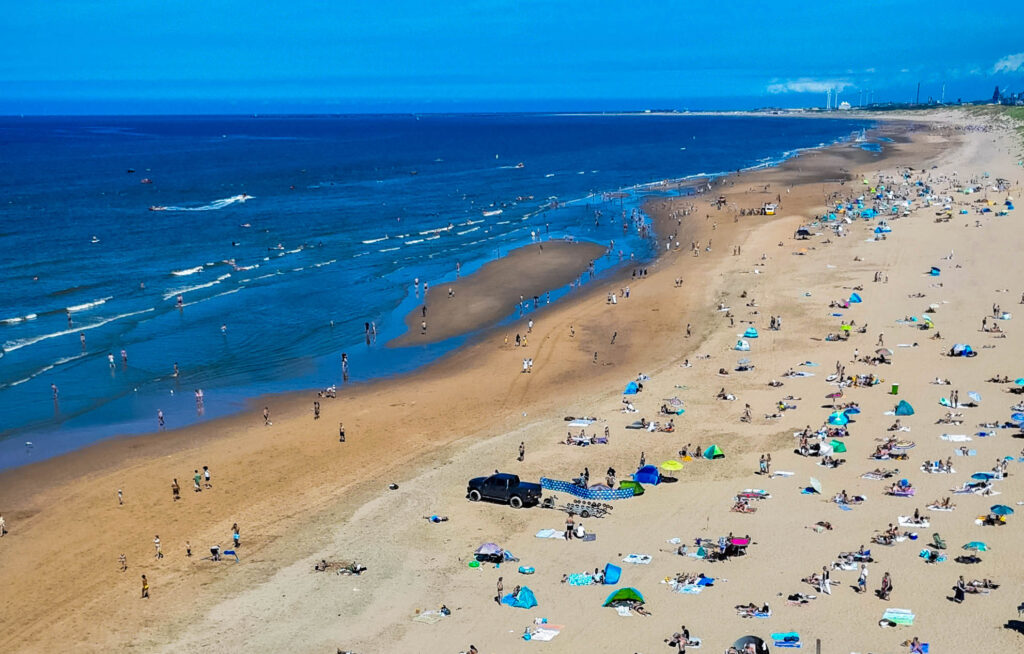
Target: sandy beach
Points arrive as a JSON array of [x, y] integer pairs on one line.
[[300, 496]]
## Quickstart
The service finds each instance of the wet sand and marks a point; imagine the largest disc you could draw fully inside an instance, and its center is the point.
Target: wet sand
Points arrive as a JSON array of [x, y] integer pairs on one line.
[[496, 289], [299, 495]]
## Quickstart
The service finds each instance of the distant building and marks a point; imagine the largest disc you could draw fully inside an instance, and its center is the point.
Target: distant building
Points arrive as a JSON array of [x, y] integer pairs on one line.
[[844, 106]]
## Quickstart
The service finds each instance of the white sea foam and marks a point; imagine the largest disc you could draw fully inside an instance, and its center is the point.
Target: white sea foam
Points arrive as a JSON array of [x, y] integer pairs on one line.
[[414, 241], [47, 368], [466, 231], [11, 346], [16, 320], [187, 289], [90, 305], [375, 240], [387, 250], [234, 290]]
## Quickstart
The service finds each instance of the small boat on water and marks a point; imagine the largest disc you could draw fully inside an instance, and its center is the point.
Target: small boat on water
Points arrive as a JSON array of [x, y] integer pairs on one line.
[[146, 180], [520, 165], [157, 208]]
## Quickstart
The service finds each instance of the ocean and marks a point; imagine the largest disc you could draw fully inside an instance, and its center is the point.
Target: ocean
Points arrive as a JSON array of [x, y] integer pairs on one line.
[[283, 236]]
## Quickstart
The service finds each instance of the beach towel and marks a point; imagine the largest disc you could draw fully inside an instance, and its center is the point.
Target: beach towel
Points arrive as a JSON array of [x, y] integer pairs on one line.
[[786, 639], [689, 589], [781, 473], [429, 617], [899, 616], [623, 611], [580, 579], [956, 438], [546, 633], [638, 559], [969, 453], [551, 533]]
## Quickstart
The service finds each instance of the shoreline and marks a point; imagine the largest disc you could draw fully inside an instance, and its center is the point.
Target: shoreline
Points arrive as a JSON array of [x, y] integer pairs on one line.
[[263, 455]]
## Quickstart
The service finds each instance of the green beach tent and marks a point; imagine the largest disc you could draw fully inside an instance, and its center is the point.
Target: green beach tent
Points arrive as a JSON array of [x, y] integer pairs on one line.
[[838, 446], [637, 487], [714, 452], [627, 594]]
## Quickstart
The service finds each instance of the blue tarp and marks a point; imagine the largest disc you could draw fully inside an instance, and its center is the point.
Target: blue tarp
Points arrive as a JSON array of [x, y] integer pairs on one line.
[[647, 475], [631, 389]]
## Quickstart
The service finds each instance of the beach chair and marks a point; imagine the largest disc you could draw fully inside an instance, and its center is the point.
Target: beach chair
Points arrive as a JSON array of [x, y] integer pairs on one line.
[[937, 542]]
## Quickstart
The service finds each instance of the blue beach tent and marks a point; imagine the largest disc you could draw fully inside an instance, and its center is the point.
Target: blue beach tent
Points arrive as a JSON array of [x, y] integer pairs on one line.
[[838, 419], [524, 600], [935, 271], [647, 475], [612, 574], [855, 298], [904, 409], [631, 389], [750, 333]]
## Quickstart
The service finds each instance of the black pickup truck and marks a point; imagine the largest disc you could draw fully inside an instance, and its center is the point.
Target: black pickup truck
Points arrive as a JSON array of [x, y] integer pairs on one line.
[[504, 488]]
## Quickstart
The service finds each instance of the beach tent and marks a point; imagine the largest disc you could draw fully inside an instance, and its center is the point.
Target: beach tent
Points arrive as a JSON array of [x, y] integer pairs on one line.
[[868, 213], [838, 419], [759, 647], [524, 600], [935, 271], [631, 389], [838, 446], [961, 350], [626, 594], [904, 409], [647, 475], [750, 333], [714, 452], [635, 485], [612, 574], [855, 298], [742, 346]]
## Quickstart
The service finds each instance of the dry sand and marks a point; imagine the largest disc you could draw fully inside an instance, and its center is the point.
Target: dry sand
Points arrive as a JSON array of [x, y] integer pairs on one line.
[[299, 495]]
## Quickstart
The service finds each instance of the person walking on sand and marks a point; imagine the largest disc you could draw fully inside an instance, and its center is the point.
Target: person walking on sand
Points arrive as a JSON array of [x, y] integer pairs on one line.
[[175, 490], [825, 584], [236, 537], [768, 463], [120, 497], [195, 481], [501, 589], [341, 432], [156, 544], [316, 410], [188, 549], [3, 526], [862, 580], [145, 587], [206, 476], [123, 561], [881, 340], [570, 527], [266, 416], [886, 588], [522, 451]]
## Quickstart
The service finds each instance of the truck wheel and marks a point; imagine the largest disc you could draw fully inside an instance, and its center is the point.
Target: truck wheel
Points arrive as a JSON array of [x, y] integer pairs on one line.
[[584, 513], [474, 496], [515, 502]]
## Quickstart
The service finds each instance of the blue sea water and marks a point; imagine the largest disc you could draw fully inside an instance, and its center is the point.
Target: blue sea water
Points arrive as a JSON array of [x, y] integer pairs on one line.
[[291, 233]]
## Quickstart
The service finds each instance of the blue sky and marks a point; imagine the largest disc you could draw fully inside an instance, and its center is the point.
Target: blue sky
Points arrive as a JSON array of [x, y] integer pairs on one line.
[[114, 56]]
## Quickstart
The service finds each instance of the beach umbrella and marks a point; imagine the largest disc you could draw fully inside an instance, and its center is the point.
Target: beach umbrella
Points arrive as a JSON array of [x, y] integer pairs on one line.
[[974, 396], [838, 418], [671, 465], [834, 395], [816, 485], [977, 546], [884, 351], [1017, 417], [1019, 381], [488, 548], [982, 476], [1001, 509]]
